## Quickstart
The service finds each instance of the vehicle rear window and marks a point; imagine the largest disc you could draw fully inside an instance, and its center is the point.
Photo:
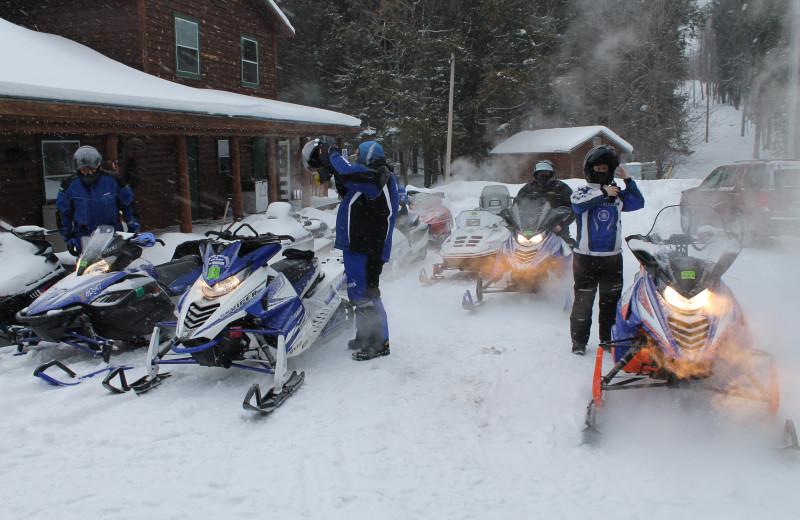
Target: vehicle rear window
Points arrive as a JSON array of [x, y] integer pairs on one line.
[[755, 177], [712, 181], [787, 179]]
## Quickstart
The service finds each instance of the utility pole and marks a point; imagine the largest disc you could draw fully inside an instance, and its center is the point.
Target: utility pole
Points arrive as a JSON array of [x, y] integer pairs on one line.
[[794, 70], [708, 91], [450, 119]]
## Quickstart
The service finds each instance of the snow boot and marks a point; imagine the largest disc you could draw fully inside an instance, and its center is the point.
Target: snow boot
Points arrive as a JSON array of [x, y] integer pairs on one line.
[[368, 353], [578, 348]]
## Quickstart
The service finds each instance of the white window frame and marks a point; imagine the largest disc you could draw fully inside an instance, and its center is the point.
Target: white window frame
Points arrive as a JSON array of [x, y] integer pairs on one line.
[[180, 19], [246, 62]]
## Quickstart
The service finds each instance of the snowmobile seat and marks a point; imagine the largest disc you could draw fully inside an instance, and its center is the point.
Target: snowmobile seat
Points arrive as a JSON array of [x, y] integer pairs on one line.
[[174, 270], [297, 266]]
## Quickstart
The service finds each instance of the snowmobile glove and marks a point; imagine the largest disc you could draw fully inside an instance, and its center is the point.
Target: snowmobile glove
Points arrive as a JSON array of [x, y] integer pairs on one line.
[[74, 247]]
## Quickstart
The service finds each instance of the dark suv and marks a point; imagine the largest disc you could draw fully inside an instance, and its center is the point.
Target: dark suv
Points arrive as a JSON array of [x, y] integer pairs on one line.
[[757, 199]]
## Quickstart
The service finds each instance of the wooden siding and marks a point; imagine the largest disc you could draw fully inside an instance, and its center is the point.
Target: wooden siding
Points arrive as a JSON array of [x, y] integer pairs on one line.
[[118, 28], [567, 165], [110, 27], [221, 28]]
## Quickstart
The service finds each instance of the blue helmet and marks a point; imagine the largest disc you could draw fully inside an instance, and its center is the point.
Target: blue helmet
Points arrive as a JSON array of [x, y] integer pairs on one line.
[[369, 152]]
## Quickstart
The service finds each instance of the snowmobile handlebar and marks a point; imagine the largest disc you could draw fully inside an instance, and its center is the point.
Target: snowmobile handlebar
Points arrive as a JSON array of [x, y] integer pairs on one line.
[[234, 235]]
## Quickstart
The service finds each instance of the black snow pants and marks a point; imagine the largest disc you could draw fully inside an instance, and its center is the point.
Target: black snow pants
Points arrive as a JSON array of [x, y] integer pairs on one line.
[[591, 272]]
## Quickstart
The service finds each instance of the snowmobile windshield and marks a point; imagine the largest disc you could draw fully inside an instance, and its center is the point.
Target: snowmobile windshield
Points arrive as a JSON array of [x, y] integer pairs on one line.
[[102, 244], [424, 199], [687, 248], [534, 215], [495, 198]]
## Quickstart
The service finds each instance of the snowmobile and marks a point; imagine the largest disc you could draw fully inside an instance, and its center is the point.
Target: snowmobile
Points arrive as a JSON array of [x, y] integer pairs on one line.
[[244, 312], [114, 297], [531, 257], [678, 324], [409, 240], [432, 212], [477, 237], [281, 219], [30, 268]]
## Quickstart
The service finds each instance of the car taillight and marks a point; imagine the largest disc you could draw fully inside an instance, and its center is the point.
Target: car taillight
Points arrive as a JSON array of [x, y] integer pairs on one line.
[[762, 202]]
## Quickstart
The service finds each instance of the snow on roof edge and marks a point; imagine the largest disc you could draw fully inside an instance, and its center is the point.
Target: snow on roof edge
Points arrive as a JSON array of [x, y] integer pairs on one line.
[[281, 15], [555, 140]]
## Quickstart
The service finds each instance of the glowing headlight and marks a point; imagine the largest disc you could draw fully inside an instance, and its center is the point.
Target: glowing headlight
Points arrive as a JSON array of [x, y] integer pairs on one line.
[[684, 304], [525, 241], [225, 286], [98, 268]]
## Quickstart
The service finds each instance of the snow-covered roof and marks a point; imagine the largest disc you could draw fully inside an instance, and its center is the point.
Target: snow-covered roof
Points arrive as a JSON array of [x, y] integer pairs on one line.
[[45, 67], [279, 13], [556, 140]]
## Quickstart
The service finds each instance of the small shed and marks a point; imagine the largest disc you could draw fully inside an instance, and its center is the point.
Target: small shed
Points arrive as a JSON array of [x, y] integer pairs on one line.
[[565, 147]]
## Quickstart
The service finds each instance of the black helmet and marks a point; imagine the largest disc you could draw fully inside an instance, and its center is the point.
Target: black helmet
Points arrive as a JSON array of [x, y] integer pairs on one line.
[[311, 150], [544, 172], [603, 154]]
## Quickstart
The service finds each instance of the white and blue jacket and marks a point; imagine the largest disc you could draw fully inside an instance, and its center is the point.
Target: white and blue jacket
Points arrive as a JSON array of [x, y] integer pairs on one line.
[[599, 217]]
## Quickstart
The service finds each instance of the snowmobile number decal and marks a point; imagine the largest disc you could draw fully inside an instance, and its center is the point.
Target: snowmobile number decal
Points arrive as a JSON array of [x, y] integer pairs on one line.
[[213, 273], [687, 275]]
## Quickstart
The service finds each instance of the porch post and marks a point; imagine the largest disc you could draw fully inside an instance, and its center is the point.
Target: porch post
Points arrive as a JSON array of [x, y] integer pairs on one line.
[[184, 195], [272, 171], [307, 184], [110, 151], [236, 178]]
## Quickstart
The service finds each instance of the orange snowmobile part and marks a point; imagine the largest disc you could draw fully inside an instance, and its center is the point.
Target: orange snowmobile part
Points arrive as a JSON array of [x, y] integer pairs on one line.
[[641, 363], [597, 380], [774, 390]]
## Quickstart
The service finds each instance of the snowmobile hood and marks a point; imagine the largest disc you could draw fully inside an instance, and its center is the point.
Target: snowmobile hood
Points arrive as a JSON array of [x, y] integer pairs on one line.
[[688, 248], [221, 260], [74, 289]]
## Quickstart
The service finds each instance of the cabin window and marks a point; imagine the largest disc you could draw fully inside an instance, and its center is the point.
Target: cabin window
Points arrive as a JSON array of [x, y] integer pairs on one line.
[[249, 62], [223, 157], [56, 165], [187, 47]]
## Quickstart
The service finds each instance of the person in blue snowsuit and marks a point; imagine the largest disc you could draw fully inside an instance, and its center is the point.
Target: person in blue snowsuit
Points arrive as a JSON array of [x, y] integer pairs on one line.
[[364, 226], [597, 256], [90, 198]]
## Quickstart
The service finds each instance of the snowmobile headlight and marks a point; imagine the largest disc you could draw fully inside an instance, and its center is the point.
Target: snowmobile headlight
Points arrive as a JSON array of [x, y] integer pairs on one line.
[[529, 241], [224, 286], [687, 304], [98, 267]]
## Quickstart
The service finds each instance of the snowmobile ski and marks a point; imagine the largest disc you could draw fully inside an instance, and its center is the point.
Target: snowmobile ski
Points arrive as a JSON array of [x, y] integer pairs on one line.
[[75, 379], [423, 277], [268, 403], [140, 386], [790, 434], [467, 303]]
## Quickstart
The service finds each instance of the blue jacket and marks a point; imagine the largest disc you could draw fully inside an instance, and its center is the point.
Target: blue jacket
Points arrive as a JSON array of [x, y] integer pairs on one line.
[[83, 208], [365, 221], [599, 217]]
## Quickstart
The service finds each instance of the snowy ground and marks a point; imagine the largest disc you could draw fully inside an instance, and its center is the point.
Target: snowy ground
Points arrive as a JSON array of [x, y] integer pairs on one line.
[[473, 416]]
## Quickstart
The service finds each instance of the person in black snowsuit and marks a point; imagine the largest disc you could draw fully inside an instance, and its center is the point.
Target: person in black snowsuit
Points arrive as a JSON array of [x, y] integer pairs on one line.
[[597, 256], [364, 226], [556, 192]]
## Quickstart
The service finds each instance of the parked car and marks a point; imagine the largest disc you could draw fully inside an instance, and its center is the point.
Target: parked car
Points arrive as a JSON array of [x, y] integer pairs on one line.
[[757, 199]]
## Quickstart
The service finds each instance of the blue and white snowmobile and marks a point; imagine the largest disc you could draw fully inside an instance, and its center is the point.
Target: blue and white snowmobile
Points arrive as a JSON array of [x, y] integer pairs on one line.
[[678, 324], [531, 257], [113, 298], [29, 268], [245, 312]]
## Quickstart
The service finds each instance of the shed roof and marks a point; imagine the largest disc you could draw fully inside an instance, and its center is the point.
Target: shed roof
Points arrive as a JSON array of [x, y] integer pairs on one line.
[[556, 140], [47, 68]]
